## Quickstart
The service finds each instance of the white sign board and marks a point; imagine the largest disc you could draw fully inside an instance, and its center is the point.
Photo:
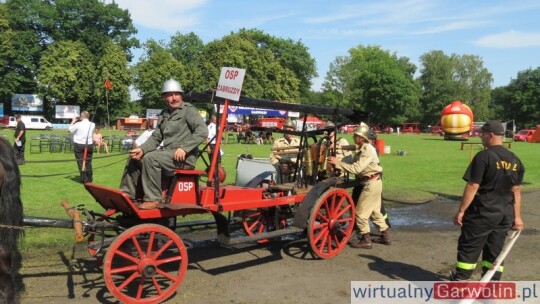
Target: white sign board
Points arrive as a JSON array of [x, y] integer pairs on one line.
[[67, 111], [230, 83]]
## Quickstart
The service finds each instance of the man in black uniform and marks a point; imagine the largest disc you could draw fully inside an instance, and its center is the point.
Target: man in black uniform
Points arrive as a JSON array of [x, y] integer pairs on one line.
[[20, 139], [491, 203]]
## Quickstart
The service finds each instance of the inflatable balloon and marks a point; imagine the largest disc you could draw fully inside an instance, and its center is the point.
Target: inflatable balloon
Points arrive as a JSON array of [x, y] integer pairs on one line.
[[456, 118]]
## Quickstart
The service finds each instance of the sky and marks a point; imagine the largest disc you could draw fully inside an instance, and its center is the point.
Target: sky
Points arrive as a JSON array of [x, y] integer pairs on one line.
[[505, 34]]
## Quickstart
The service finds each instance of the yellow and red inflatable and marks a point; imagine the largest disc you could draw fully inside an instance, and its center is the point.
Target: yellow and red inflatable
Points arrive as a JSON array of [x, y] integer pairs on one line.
[[456, 118]]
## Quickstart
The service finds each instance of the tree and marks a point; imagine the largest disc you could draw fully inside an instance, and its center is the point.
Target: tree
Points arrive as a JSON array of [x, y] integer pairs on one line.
[[155, 67], [437, 84], [474, 85], [336, 88], [27, 41], [8, 77], [373, 80], [520, 99], [265, 76], [292, 55], [67, 75], [113, 65], [38, 24], [457, 77], [187, 49]]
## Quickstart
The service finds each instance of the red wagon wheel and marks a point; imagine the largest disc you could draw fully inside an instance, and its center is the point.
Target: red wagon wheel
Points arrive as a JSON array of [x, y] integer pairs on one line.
[[331, 223], [263, 220], [146, 264]]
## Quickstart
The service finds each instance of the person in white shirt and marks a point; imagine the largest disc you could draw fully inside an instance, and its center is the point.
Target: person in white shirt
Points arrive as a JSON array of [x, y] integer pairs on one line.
[[83, 145], [211, 140]]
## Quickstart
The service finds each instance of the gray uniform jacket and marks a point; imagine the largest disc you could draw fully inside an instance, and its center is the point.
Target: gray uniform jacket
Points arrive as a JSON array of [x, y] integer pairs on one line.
[[183, 128]]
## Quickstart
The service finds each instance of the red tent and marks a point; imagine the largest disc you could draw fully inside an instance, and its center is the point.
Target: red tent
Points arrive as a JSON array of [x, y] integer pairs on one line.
[[312, 123]]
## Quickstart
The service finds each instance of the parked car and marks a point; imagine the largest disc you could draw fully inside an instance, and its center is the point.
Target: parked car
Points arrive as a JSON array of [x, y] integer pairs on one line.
[[31, 122], [524, 135]]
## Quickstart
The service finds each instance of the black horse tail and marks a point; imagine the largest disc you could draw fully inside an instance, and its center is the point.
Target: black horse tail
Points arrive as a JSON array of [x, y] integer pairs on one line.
[[11, 208]]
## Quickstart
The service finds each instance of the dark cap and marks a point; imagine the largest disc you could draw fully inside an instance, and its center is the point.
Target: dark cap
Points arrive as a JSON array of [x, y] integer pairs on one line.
[[493, 126]]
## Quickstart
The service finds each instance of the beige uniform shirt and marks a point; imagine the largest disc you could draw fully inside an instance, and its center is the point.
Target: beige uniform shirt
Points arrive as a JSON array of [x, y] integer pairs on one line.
[[365, 163], [283, 143]]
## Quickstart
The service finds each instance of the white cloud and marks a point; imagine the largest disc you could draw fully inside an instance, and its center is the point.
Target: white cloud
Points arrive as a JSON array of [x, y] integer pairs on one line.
[[509, 39], [166, 15], [451, 26]]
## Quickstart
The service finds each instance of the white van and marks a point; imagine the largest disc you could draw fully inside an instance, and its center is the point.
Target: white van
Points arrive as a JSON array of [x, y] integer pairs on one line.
[[31, 122]]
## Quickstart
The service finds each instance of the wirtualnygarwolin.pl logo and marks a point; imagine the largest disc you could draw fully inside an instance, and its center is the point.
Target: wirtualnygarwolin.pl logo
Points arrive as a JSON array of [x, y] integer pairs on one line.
[[381, 292]]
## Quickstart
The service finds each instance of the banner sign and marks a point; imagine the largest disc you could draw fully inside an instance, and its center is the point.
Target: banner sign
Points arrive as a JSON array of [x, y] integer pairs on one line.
[[67, 111], [1, 109], [26, 102], [230, 83], [256, 111], [153, 113], [131, 120], [238, 110]]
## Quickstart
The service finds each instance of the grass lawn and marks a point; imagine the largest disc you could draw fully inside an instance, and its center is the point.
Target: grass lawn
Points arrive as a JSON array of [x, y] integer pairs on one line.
[[431, 166]]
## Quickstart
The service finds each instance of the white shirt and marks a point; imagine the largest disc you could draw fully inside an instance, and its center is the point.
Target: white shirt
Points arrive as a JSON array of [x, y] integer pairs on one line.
[[83, 131], [212, 133]]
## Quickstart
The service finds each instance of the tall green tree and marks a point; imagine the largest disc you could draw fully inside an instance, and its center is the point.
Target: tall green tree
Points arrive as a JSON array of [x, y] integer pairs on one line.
[[8, 77], [92, 22], [265, 76], [293, 55], [27, 41], [187, 49], [474, 85], [520, 99], [338, 82], [445, 78], [155, 67], [373, 80], [437, 84], [113, 65], [67, 75], [37, 24]]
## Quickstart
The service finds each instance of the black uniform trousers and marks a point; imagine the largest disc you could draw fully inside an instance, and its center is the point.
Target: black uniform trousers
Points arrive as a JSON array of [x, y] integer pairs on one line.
[[86, 174], [479, 238], [19, 150]]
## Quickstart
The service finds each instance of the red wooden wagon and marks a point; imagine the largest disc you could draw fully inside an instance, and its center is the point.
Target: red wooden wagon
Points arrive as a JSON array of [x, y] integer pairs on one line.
[[144, 260]]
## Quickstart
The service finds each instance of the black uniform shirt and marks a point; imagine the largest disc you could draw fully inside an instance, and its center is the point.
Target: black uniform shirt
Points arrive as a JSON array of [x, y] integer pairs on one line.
[[496, 170], [20, 127]]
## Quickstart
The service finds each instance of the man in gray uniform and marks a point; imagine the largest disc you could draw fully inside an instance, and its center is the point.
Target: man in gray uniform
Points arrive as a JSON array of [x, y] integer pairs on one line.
[[180, 130]]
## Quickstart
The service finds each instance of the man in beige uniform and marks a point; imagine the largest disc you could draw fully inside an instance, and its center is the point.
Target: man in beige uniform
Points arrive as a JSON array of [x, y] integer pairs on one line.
[[279, 157], [368, 172]]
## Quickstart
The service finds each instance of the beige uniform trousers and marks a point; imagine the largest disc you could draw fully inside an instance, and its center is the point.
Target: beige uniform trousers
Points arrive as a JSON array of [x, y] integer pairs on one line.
[[369, 205]]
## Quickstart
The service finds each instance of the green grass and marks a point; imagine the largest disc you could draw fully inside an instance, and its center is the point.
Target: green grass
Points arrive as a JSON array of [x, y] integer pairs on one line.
[[432, 166]]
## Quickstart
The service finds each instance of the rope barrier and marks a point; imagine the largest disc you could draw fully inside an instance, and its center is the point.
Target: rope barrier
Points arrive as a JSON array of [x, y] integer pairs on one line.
[[72, 172]]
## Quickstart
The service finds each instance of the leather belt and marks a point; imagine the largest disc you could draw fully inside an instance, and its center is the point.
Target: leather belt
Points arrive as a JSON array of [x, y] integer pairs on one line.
[[374, 176]]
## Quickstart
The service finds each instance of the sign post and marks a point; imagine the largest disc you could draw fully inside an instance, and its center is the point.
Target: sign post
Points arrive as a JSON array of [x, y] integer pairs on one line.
[[229, 87], [230, 83]]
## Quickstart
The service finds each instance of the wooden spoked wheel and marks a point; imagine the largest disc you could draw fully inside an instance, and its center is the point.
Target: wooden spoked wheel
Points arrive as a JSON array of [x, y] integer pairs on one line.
[[145, 264], [263, 220], [331, 223]]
